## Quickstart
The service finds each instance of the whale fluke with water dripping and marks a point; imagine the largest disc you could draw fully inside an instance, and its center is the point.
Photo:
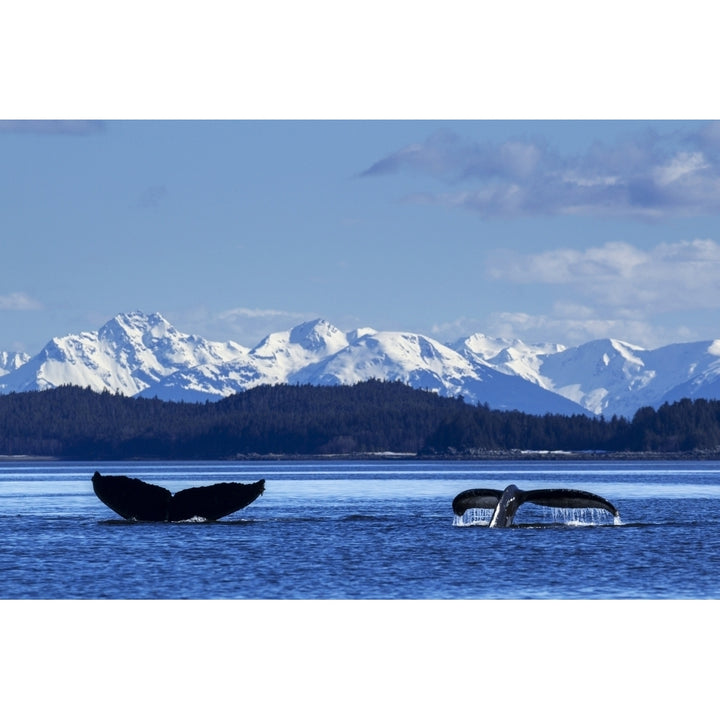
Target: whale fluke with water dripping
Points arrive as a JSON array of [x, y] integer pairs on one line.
[[135, 499], [505, 503]]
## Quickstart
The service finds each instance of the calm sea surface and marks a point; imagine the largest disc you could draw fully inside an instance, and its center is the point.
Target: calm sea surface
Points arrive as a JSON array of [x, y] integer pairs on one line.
[[365, 530]]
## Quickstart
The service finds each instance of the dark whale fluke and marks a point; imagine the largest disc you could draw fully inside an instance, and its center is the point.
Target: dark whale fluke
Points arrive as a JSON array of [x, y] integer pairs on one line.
[[135, 499], [506, 502]]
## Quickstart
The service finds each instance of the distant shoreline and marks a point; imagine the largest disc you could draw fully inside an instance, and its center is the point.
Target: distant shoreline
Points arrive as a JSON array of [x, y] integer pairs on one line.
[[29, 458], [500, 455]]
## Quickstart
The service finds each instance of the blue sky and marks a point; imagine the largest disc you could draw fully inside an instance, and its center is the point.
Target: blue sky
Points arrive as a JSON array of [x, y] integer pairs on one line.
[[558, 231], [247, 174]]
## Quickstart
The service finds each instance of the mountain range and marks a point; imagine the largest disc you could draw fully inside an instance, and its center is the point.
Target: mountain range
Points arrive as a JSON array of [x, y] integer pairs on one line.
[[137, 354]]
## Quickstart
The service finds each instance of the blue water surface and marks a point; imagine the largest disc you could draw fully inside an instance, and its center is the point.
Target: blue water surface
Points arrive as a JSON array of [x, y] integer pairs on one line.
[[365, 530]]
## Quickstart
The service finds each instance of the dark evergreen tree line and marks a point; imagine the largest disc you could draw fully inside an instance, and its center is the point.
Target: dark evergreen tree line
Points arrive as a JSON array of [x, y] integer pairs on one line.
[[372, 416]]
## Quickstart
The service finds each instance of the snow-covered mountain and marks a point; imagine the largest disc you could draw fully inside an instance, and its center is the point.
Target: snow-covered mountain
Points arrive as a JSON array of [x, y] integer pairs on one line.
[[276, 359], [424, 363], [317, 353], [128, 354], [611, 377], [513, 357], [144, 355], [10, 361]]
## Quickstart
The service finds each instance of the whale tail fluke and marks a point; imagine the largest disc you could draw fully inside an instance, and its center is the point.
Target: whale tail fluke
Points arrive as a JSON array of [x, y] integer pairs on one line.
[[505, 503], [132, 498], [565, 498], [481, 498], [135, 499], [214, 501]]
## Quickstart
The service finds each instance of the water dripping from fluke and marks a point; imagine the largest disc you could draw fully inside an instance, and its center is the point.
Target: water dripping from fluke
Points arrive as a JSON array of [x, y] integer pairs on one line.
[[583, 516], [571, 506], [472, 517]]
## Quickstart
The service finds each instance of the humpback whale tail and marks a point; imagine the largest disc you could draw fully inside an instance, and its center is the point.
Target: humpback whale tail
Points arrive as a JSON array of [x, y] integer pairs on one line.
[[135, 499], [505, 503]]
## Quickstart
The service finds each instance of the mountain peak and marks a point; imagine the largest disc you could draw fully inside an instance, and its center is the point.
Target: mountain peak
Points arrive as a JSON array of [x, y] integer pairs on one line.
[[318, 336], [304, 343], [136, 324], [10, 361], [136, 353], [358, 333]]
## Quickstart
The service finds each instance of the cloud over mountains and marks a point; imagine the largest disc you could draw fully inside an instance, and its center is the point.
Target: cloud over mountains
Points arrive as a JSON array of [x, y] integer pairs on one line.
[[648, 176], [669, 276]]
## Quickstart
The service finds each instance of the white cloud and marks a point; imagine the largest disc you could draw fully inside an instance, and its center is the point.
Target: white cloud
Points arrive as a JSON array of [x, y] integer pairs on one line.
[[567, 265], [614, 290], [572, 326], [19, 301], [668, 277], [647, 177], [242, 313], [454, 329], [679, 166]]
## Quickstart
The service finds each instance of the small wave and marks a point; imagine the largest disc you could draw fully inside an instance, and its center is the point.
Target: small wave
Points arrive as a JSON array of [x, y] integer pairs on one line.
[[472, 521], [285, 519], [193, 519]]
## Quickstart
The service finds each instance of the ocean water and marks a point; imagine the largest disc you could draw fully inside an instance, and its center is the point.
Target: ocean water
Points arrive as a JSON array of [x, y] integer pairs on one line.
[[365, 530], [349, 590]]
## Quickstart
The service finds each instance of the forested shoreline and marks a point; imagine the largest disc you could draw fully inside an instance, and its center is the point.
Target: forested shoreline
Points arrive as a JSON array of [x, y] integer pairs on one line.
[[369, 418]]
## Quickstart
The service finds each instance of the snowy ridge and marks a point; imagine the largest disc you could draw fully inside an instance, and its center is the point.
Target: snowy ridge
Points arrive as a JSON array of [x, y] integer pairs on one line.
[[10, 361], [128, 354], [512, 357], [144, 355]]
